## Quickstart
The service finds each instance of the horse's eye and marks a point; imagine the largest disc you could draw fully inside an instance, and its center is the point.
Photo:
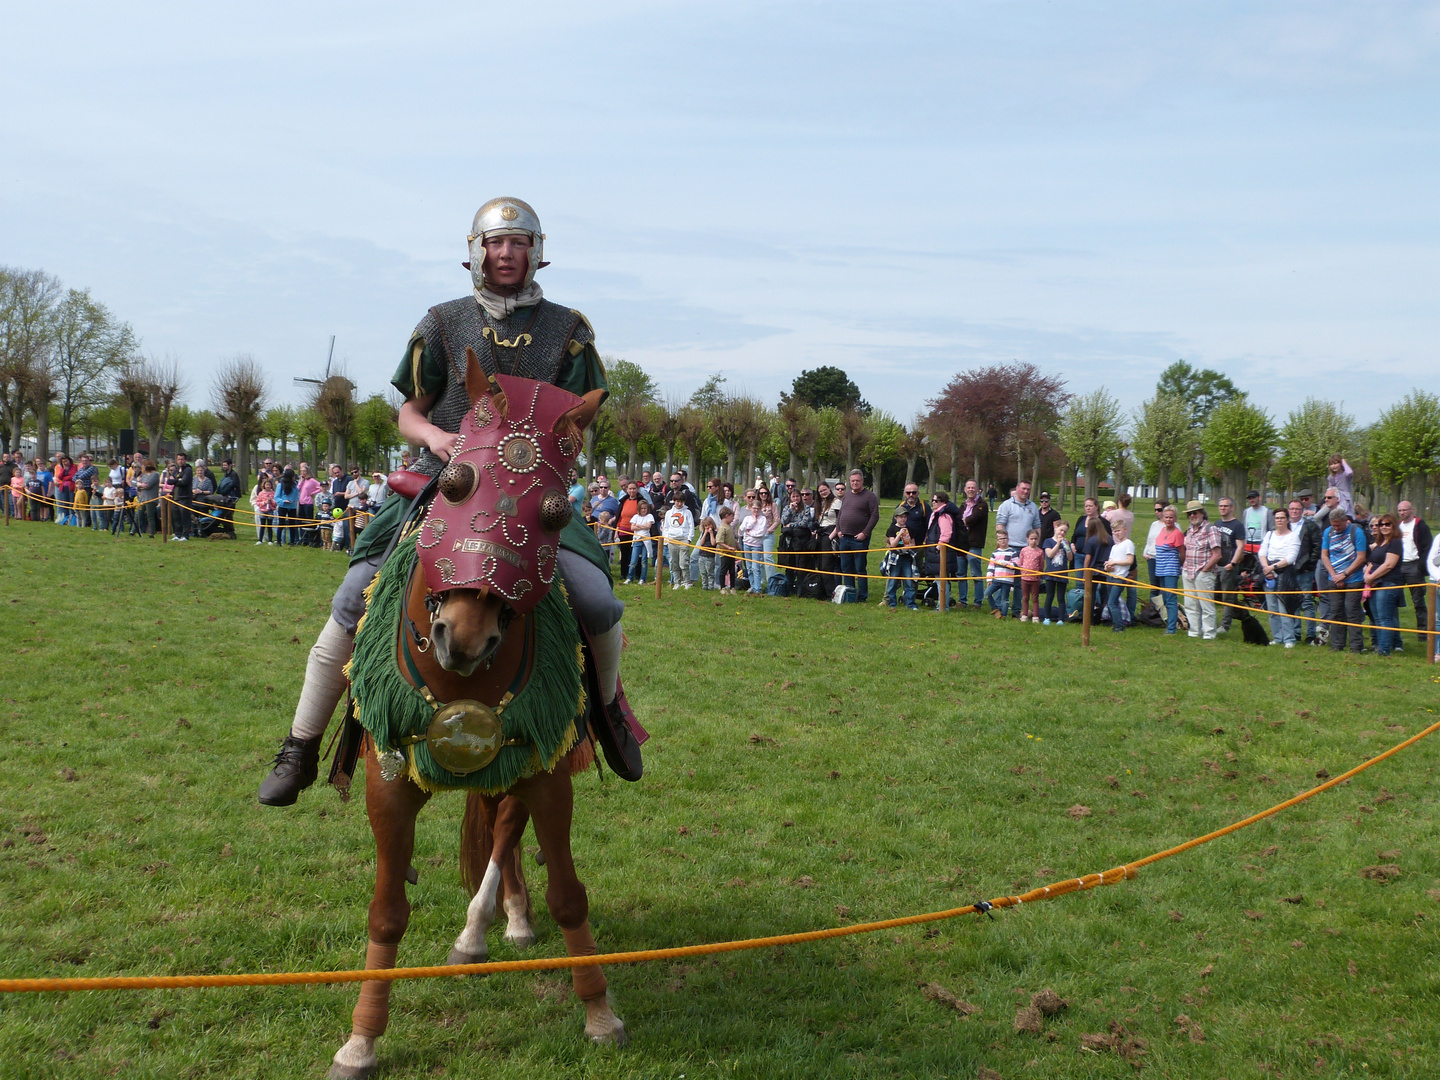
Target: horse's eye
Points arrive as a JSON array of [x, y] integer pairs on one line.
[[458, 481]]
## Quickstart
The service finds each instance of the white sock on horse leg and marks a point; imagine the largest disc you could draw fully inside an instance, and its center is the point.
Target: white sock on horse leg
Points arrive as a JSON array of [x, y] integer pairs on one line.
[[480, 914], [324, 681], [606, 647]]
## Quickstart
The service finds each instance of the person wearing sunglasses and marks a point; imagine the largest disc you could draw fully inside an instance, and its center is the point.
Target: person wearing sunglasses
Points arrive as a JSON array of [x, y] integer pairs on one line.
[[1384, 580]]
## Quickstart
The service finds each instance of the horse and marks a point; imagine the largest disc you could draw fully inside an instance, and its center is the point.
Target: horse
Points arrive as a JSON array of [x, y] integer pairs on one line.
[[488, 641]]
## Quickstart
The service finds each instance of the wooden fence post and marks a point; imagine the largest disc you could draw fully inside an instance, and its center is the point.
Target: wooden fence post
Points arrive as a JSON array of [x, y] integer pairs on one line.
[[942, 586], [1089, 601]]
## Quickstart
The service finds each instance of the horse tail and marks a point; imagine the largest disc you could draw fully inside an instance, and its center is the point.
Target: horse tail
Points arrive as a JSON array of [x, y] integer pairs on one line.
[[476, 843]]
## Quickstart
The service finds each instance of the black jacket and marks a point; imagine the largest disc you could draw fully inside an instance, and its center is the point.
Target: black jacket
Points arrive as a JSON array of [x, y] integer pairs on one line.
[[229, 485], [1423, 539], [1309, 555], [978, 529]]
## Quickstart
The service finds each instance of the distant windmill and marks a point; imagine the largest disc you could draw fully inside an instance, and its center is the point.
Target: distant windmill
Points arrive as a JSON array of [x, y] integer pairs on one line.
[[333, 398], [321, 381]]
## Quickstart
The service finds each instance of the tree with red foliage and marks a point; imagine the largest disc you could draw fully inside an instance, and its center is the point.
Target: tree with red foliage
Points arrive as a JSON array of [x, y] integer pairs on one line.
[[1016, 404]]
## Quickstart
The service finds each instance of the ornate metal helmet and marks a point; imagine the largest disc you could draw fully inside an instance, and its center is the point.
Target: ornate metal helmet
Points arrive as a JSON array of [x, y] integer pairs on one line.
[[505, 217], [495, 523]]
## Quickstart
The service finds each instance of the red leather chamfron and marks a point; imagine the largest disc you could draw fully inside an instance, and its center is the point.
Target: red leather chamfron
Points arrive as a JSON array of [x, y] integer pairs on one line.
[[502, 500]]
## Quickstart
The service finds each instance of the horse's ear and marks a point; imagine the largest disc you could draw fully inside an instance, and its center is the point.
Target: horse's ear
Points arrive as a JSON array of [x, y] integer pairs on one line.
[[479, 383], [476, 381]]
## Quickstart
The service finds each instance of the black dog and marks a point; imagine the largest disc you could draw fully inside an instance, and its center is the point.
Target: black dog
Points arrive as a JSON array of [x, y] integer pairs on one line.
[[1250, 626]]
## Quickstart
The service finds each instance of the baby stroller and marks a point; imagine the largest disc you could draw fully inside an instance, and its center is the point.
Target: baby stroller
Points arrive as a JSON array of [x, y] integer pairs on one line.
[[213, 514]]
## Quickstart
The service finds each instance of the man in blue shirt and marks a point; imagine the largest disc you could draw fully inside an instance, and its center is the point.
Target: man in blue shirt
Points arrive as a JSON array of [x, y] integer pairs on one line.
[[1343, 550]]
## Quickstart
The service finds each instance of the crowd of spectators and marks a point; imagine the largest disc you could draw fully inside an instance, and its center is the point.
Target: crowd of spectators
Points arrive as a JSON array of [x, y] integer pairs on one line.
[[141, 497], [1319, 570]]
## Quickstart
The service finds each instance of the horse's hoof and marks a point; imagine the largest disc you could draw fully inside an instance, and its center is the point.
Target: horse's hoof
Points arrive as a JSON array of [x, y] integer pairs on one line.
[[613, 1037], [521, 940], [602, 1025], [458, 957], [356, 1060]]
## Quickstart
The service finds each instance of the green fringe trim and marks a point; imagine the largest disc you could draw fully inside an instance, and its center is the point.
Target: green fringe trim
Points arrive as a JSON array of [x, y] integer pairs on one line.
[[543, 712]]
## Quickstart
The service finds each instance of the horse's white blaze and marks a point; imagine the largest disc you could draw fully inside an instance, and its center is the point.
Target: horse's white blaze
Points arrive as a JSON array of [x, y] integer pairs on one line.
[[480, 914], [358, 1053], [601, 1023], [518, 930]]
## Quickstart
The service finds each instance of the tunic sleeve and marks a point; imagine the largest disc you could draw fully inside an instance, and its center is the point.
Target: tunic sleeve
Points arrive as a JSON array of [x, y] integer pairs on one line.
[[420, 372]]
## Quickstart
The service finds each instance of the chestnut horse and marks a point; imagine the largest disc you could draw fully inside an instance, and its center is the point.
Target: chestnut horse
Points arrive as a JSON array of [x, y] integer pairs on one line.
[[476, 648]]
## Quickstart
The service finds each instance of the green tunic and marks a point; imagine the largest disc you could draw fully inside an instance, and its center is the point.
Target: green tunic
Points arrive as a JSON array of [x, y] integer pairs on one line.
[[421, 373]]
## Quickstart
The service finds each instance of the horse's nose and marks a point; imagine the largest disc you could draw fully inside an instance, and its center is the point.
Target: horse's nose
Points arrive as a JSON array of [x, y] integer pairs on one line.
[[439, 630]]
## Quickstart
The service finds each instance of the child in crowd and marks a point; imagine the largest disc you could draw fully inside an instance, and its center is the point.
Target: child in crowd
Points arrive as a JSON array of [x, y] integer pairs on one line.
[[706, 552], [265, 508], [1058, 553], [108, 505], [728, 545], [605, 533], [899, 562], [642, 522], [1031, 561], [1000, 575], [360, 508], [679, 531], [1122, 558], [324, 504]]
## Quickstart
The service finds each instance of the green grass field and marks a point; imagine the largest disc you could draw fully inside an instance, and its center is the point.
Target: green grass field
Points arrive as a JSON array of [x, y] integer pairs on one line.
[[810, 766]]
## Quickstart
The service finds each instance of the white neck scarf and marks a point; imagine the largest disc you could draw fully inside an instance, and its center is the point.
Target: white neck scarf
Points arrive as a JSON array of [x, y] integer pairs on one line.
[[501, 307]]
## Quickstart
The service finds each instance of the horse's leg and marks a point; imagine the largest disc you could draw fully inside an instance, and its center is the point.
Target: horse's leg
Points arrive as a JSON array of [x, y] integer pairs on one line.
[[514, 891], [508, 825], [392, 808], [551, 801]]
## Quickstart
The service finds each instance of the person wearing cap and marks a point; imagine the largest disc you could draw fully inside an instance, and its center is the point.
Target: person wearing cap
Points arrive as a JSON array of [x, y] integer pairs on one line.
[[379, 489], [1197, 574], [1048, 517], [1259, 521], [1344, 549]]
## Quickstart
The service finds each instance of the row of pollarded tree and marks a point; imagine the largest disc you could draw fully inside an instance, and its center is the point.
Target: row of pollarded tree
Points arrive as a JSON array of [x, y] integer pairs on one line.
[[1199, 428], [68, 364]]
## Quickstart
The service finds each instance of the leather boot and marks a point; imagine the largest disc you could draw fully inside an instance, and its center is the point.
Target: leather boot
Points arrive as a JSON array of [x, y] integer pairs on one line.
[[296, 766], [618, 739]]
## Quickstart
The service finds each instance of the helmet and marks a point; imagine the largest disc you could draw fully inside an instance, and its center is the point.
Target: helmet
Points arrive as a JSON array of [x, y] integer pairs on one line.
[[505, 217]]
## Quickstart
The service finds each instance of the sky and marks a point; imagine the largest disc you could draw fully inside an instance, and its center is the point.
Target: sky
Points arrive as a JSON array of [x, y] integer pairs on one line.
[[904, 190]]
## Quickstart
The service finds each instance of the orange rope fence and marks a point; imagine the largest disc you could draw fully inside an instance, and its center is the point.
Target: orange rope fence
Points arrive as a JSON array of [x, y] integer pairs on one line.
[[1044, 892]]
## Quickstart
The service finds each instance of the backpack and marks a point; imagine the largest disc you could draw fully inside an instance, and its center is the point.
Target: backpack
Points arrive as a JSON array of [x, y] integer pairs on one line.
[[843, 595], [778, 585]]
